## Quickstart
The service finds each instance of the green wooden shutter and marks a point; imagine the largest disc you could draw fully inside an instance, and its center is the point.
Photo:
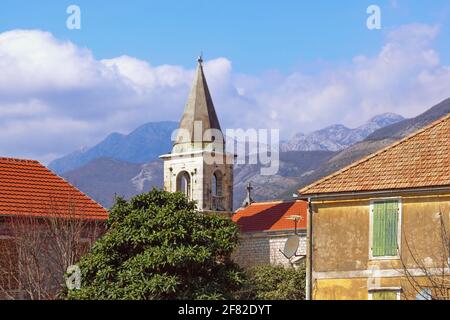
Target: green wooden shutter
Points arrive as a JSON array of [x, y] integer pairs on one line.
[[385, 228], [384, 295]]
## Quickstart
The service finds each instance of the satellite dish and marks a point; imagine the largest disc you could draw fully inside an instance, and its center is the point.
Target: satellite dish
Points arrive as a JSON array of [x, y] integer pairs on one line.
[[297, 259], [291, 246]]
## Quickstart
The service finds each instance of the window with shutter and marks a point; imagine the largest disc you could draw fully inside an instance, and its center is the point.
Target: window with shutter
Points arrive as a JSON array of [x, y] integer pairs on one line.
[[384, 295], [385, 225]]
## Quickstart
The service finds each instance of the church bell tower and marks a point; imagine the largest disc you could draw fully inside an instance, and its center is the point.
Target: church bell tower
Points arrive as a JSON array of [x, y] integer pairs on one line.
[[198, 165]]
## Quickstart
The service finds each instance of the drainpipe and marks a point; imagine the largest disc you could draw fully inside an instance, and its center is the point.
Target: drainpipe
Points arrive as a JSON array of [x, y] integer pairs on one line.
[[309, 252]]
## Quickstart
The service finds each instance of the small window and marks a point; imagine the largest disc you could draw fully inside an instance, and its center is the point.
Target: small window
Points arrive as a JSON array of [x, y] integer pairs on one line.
[[384, 295], [385, 228], [424, 294]]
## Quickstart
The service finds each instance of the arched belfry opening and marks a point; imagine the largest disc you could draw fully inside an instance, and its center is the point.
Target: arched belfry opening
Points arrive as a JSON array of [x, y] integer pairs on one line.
[[217, 195], [217, 184], [198, 164], [184, 183]]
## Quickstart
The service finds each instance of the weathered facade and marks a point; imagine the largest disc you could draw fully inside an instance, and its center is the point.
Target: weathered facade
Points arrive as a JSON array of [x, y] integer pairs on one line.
[[198, 165], [380, 227], [265, 228]]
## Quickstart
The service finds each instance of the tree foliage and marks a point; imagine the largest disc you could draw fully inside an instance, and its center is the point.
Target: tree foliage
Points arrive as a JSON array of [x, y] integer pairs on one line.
[[158, 247], [275, 283]]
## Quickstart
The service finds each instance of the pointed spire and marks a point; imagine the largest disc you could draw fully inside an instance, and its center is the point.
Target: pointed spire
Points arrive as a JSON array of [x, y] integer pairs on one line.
[[199, 107]]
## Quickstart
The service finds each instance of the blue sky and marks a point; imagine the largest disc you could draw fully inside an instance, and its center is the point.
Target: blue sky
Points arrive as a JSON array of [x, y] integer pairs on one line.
[[256, 35], [296, 66]]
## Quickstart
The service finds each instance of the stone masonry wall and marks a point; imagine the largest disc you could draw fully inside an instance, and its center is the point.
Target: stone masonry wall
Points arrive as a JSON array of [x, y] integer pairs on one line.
[[262, 248]]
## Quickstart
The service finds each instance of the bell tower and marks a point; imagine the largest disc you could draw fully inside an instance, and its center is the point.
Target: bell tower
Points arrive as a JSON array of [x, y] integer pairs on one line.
[[198, 165]]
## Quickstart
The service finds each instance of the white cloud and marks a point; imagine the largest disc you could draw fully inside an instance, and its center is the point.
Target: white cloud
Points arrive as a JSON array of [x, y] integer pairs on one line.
[[56, 97], [406, 77], [143, 77], [34, 61]]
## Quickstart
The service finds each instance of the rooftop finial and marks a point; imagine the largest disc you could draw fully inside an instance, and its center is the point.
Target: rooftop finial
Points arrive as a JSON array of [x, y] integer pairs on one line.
[[248, 199], [200, 58]]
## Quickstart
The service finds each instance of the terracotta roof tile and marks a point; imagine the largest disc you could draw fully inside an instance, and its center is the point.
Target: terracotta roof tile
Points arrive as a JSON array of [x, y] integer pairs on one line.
[[29, 188], [271, 216], [420, 160]]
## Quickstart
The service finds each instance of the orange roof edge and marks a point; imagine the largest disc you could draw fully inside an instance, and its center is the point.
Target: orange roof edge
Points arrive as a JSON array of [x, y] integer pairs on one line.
[[262, 203], [36, 181], [271, 216], [18, 160]]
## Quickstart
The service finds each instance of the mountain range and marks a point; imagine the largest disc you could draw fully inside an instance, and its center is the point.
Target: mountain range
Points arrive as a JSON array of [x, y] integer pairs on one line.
[[338, 137], [378, 140], [151, 140], [104, 178], [128, 164], [144, 144]]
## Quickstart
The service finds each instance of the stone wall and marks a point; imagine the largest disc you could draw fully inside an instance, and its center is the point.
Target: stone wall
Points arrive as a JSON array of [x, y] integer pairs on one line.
[[200, 168], [262, 248]]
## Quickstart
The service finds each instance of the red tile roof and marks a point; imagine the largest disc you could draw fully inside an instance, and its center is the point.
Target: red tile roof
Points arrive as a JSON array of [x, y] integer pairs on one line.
[[271, 216], [29, 188], [421, 160]]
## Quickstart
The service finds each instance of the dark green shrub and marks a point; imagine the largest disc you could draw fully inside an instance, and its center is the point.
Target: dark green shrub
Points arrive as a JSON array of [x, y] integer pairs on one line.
[[274, 283], [158, 247]]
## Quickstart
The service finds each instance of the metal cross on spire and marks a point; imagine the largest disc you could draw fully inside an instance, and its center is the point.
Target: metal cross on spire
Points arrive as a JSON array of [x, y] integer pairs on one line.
[[248, 199], [200, 58]]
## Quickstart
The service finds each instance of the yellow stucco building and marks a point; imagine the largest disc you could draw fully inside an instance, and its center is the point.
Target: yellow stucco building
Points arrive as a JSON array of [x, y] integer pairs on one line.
[[380, 227]]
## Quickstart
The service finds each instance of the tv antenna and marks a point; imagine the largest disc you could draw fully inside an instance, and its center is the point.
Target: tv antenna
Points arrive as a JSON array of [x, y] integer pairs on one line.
[[293, 242]]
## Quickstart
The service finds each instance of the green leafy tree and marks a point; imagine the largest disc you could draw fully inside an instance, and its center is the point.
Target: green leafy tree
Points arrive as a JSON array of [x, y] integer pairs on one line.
[[275, 283], [158, 247]]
